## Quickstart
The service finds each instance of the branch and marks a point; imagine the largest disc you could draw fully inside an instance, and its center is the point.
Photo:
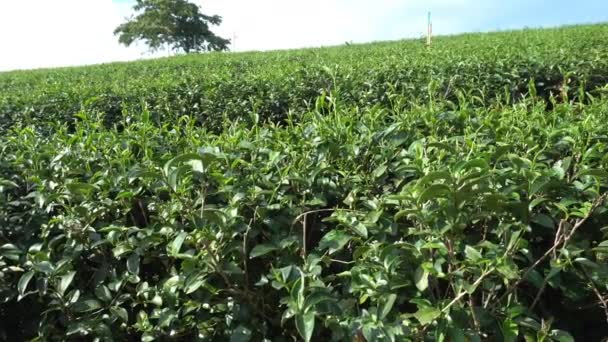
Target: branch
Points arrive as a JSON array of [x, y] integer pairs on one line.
[[597, 293], [314, 212], [559, 241], [245, 266], [475, 320], [463, 293], [540, 292]]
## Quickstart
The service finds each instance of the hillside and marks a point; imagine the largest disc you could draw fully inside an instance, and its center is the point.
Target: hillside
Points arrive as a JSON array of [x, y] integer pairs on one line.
[[376, 192], [215, 86]]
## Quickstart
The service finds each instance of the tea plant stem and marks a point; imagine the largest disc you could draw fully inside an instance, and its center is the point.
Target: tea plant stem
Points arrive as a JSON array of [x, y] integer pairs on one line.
[[463, 292], [245, 294], [602, 300], [488, 299], [343, 262], [450, 266], [558, 236], [539, 294], [318, 211], [304, 234], [597, 293], [447, 91], [598, 201], [475, 320], [304, 230], [245, 267]]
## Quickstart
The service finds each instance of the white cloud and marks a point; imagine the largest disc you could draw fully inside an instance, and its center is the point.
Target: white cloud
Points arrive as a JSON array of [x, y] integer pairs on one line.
[[42, 33], [272, 24]]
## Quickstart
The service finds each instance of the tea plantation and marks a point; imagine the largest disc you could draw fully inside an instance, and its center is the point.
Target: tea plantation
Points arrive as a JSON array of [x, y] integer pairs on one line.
[[377, 192]]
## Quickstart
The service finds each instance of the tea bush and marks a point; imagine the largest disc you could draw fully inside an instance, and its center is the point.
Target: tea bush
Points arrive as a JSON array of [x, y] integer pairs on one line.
[[213, 87]]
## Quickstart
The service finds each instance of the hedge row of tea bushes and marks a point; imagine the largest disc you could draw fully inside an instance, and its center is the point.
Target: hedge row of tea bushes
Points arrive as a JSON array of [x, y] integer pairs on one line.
[[358, 224], [215, 86], [374, 209]]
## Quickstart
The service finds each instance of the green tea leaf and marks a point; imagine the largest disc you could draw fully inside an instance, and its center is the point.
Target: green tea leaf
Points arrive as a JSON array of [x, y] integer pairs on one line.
[[45, 267], [305, 323], [262, 249], [561, 336], [193, 283], [23, 281], [183, 158], [241, 334], [387, 305], [316, 298], [427, 315], [334, 241], [472, 254], [176, 245], [81, 188], [166, 317], [510, 331], [543, 220], [360, 229], [421, 277], [86, 305], [599, 173], [133, 264], [65, 281], [434, 191], [120, 313], [10, 251]]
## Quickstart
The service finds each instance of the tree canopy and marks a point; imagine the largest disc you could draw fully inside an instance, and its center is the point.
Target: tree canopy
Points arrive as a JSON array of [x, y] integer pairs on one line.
[[176, 23]]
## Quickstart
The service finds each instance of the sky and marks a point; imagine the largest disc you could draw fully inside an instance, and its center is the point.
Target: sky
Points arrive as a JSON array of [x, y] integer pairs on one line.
[[51, 33]]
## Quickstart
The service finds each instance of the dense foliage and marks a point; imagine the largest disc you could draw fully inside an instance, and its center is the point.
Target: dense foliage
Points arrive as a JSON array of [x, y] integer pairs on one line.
[[175, 23], [216, 86], [397, 215]]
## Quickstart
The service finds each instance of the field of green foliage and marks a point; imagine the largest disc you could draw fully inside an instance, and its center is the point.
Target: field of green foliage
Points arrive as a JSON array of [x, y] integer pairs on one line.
[[377, 192]]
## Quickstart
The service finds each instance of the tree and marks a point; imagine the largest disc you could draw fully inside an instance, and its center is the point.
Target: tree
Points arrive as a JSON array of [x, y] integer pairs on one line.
[[176, 23]]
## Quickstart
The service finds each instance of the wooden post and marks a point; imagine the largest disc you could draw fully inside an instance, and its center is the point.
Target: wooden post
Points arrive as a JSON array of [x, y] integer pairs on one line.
[[429, 30]]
